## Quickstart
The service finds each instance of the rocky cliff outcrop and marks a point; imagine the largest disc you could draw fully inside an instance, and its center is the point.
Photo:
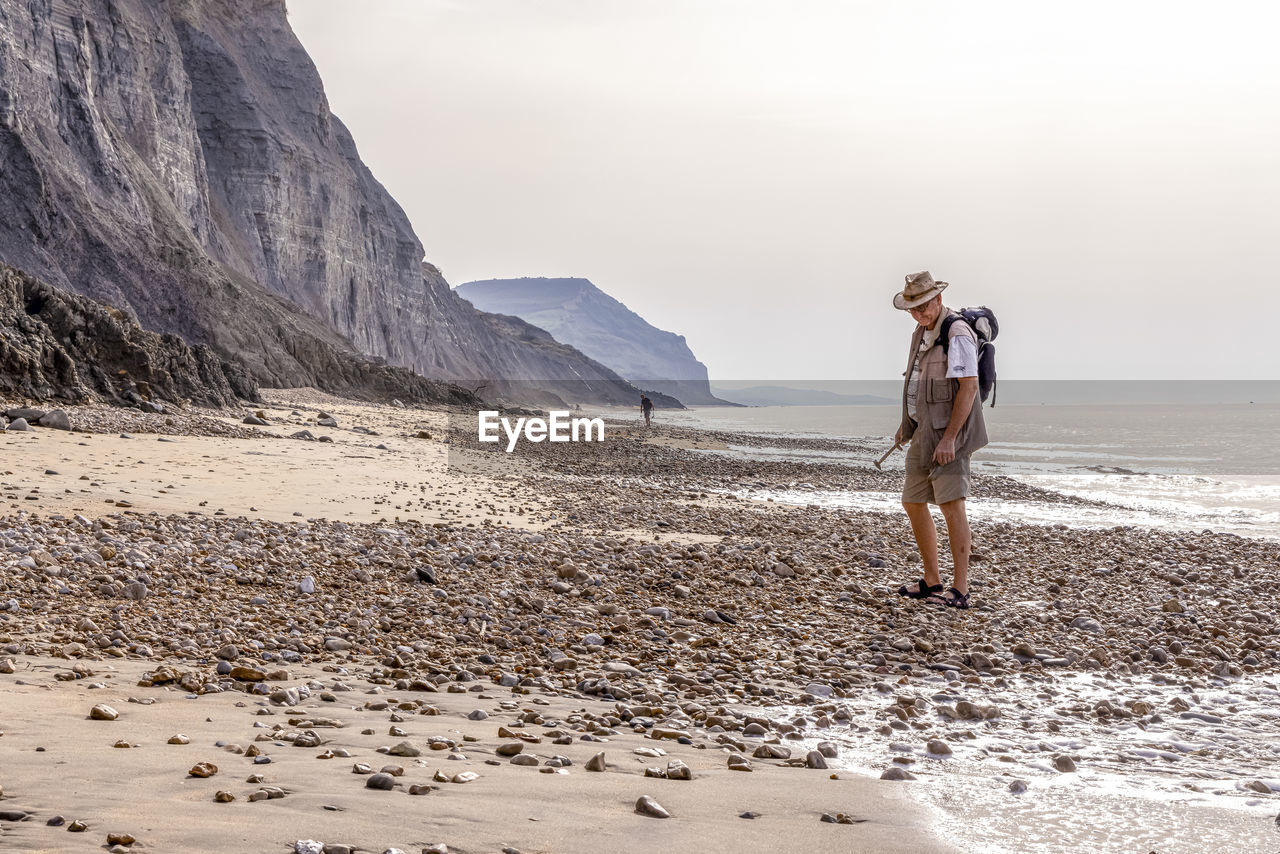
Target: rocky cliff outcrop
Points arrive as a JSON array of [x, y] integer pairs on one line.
[[577, 312], [178, 160], [56, 345]]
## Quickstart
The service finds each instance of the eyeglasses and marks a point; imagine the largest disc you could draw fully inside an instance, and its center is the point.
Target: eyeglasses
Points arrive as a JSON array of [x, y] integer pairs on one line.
[[920, 309]]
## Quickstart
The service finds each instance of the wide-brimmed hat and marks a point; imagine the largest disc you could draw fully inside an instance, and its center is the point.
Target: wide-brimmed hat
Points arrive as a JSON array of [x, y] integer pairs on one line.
[[919, 290]]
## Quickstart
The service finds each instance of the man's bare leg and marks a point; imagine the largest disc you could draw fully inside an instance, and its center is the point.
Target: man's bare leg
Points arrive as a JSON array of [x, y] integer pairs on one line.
[[961, 541], [926, 539]]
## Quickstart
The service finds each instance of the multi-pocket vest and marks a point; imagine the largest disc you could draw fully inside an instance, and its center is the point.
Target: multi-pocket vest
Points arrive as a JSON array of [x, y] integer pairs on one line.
[[934, 396]]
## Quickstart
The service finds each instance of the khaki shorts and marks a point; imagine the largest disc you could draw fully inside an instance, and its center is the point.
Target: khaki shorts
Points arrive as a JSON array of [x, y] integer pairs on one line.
[[928, 482]]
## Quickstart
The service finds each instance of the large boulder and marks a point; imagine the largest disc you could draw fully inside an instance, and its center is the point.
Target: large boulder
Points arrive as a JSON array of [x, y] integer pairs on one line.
[[56, 420]]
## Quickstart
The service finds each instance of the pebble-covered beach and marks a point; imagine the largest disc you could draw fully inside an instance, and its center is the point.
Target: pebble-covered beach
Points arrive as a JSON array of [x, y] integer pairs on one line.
[[614, 638]]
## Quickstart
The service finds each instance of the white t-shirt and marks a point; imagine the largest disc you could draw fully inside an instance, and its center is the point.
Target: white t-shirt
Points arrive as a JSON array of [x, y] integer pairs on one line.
[[962, 361], [962, 357]]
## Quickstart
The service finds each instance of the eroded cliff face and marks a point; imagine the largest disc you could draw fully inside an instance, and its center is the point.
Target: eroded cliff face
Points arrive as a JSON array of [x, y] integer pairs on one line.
[[56, 345], [178, 160], [292, 206]]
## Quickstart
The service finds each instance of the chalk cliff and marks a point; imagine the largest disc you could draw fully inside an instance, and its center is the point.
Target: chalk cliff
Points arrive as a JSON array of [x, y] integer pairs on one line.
[[178, 160]]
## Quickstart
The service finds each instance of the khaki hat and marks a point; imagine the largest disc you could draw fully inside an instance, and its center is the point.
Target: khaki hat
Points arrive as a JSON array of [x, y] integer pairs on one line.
[[919, 290]]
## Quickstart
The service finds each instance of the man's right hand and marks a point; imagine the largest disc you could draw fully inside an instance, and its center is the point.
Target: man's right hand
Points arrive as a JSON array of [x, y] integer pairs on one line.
[[897, 437]]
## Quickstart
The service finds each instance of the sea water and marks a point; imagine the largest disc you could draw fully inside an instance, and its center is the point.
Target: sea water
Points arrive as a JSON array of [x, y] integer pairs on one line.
[[1209, 461]]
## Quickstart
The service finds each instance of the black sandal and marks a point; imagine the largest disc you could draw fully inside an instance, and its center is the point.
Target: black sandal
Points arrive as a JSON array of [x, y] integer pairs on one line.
[[952, 598], [922, 591]]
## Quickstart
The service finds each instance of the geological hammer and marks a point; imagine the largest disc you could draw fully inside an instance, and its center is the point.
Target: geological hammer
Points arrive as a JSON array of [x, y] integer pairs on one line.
[[886, 455]]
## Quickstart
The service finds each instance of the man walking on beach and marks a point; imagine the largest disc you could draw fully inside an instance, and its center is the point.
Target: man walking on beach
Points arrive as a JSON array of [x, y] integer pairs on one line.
[[646, 406], [944, 426]]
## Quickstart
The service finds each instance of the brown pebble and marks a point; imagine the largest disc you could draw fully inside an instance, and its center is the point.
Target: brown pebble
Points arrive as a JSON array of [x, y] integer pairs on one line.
[[382, 781], [646, 805]]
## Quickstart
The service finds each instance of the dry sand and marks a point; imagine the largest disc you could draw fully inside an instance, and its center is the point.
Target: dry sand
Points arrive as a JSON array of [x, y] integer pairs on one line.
[[350, 478], [146, 791]]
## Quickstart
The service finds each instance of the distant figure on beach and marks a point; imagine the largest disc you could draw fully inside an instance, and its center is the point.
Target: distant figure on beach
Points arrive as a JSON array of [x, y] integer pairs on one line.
[[944, 427], [646, 406]]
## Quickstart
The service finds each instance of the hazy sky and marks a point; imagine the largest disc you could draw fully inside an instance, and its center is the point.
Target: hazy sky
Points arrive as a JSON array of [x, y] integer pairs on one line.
[[759, 176]]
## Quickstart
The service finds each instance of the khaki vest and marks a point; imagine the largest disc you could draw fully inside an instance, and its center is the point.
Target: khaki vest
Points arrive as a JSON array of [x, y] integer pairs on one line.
[[934, 396]]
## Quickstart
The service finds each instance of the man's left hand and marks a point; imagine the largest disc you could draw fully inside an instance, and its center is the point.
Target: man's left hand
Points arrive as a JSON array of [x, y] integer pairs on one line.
[[945, 452]]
